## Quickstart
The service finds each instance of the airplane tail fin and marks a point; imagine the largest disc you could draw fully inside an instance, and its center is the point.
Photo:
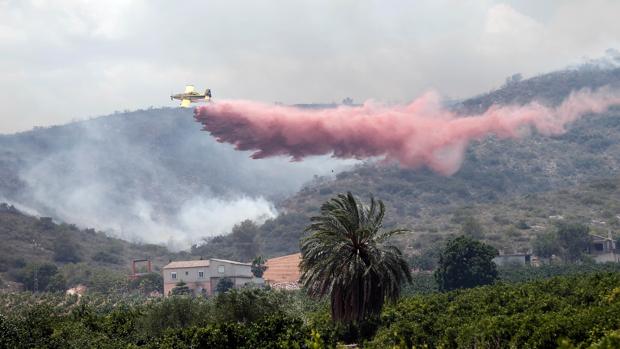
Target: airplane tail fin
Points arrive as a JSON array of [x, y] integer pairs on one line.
[[208, 94]]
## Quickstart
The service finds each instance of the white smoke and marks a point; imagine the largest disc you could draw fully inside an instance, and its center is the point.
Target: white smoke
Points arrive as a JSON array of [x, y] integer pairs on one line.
[[151, 177]]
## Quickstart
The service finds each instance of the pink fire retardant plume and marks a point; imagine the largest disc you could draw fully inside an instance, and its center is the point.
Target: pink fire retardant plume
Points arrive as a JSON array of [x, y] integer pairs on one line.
[[422, 133]]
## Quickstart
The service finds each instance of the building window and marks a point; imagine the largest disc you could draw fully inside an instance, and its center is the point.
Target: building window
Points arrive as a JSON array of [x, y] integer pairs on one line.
[[186, 273], [220, 269], [201, 274], [173, 275]]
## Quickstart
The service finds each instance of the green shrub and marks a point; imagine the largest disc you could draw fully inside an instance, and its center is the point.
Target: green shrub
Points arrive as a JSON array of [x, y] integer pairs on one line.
[[173, 312], [271, 332], [516, 273], [65, 249], [106, 257], [247, 305], [8, 333]]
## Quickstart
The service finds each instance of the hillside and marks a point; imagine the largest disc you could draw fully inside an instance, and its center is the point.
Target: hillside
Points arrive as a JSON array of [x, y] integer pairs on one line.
[[27, 239], [509, 224], [150, 175], [551, 88], [153, 176], [497, 176]]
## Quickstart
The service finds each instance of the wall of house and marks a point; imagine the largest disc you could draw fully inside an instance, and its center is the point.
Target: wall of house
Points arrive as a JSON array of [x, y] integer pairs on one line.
[[230, 269], [197, 287], [191, 276], [239, 273], [606, 257], [511, 260]]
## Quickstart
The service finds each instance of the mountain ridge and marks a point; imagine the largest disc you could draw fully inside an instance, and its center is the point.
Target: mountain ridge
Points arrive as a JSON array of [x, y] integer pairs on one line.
[[494, 171]]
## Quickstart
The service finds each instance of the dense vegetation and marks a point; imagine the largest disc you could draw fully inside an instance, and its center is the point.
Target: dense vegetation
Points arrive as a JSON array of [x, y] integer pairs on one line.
[[236, 319], [426, 282], [536, 315], [580, 309]]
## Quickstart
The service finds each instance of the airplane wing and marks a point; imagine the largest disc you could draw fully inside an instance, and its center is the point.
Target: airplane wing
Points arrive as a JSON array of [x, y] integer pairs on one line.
[[189, 88], [185, 103]]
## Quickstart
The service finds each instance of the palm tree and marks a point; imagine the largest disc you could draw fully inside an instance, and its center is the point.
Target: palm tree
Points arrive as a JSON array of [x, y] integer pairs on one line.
[[346, 257]]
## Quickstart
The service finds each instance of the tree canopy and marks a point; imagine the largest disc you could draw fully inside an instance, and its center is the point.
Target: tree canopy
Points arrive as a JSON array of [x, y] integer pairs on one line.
[[466, 263], [346, 256], [568, 239], [573, 237], [258, 267]]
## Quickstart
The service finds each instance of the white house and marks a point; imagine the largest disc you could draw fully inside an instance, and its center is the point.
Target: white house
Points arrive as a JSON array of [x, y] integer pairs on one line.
[[513, 259], [202, 276], [603, 249]]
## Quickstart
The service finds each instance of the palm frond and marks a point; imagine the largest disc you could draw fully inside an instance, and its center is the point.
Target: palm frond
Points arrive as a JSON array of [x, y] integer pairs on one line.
[[345, 257]]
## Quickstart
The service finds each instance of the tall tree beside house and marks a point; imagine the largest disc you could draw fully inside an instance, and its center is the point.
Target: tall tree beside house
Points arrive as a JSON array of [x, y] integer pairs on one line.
[[258, 267], [569, 239], [546, 245], [573, 238], [465, 263], [346, 256], [244, 235]]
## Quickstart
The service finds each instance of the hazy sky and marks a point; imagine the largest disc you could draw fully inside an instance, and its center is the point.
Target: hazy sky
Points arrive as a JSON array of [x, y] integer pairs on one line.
[[62, 60]]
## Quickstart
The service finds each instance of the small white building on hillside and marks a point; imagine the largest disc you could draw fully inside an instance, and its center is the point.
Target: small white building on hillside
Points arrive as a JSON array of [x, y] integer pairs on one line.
[[202, 276], [603, 249], [513, 259]]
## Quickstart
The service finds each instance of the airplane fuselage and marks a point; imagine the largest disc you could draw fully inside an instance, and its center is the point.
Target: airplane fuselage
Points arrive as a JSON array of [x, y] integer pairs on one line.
[[191, 96]]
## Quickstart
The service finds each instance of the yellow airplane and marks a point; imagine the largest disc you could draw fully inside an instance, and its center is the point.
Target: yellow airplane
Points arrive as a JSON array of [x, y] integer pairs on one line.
[[191, 96]]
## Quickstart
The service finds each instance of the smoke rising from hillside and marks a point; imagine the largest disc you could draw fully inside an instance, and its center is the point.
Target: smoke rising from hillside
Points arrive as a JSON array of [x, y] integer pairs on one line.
[[422, 133], [145, 176]]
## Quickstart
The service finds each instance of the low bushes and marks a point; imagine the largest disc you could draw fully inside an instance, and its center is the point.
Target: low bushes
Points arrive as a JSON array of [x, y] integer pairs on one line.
[[574, 311], [536, 315]]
